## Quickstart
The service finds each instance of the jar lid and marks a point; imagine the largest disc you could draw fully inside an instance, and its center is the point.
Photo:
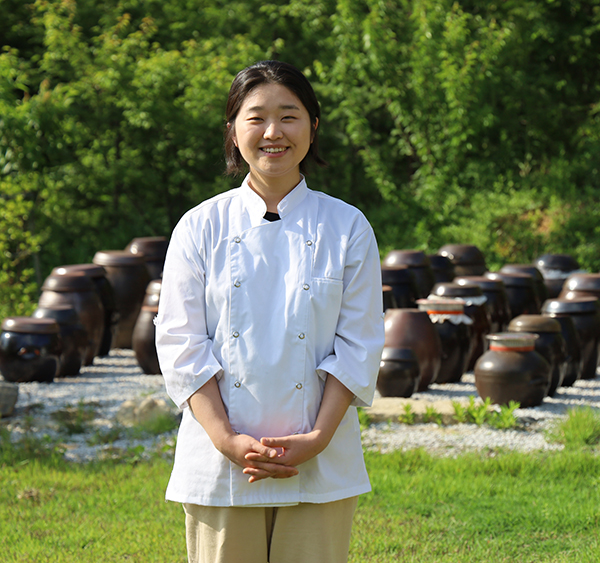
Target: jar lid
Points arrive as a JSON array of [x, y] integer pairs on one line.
[[153, 288], [62, 314], [406, 257], [30, 325], [118, 258], [451, 289], [570, 306], [563, 262], [463, 254], [72, 281], [512, 341], [484, 283], [522, 269], [398, 354], [150, 247], [91, 270], [533, 323], [511, 279], [397, 274], [443, 306], [583, 282], [439, 262]]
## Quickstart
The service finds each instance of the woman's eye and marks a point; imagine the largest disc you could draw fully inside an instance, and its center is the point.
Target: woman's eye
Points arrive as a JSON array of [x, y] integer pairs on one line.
[[255, 118], [290, 117]]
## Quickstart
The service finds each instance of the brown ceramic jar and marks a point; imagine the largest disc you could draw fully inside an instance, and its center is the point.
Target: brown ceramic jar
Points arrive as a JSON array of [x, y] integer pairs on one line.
[[586, 318], [30, 349], [511, 370], [76, 289], [418, 263], [144, 340], [574, 360], [556, 269], [520, 291], [402, 282], [550, 344], [454, 329], [442, 268], [389, 301], [154, 250], [398, 373], [581, 285], [497, 301], [468, 260], [411, 328], [538, 279], [73, 335], [129, 278]]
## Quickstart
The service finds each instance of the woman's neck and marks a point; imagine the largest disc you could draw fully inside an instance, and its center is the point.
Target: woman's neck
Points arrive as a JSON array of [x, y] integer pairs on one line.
[[273, 190]]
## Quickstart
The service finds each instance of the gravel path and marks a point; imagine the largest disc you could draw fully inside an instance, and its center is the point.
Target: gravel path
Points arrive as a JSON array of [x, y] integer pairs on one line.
[[116, 378]]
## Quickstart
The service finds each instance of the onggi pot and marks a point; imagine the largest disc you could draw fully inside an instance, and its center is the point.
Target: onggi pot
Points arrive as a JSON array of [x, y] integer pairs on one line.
[[520, 291], [574, 360], [556, 269], [154, 250], [497, 301], [468, 260], [511, 370], [398, 373], [402, 282], [538, 279], [144, 340], [418, 263]]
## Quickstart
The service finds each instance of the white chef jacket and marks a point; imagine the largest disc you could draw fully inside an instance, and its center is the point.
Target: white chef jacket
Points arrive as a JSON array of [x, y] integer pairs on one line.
[[270, 308]]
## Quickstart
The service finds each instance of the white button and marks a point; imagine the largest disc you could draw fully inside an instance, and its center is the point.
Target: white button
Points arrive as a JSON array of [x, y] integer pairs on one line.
[[301, 336], [235, 334], [298, 385], [237, 239], [237, 284], [309, 243], [237, 384], [306, 287]]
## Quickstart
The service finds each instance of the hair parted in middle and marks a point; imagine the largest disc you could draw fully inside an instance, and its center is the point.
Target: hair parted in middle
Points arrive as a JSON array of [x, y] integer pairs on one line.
[[269, 72]]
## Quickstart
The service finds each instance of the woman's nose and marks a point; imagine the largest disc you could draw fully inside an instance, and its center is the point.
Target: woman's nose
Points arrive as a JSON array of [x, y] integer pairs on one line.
[[272, 131]]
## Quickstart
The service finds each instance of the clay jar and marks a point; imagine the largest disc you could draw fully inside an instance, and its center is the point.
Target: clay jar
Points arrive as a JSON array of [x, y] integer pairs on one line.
[[497, 301], [76, 289], [550, 344], [573, 360], [454, 330], [411, 328], [468, 260], [538, 279], [154, 250], [581, 285], [442, 268], [586, 318], [402, 282], [474, 307], [29, 349], [520, 291], [389, 301], [398, 373], [128, 275], [73, 335], [511, 370], [107, 297], [556, 269], [418, 263], [143, 340]]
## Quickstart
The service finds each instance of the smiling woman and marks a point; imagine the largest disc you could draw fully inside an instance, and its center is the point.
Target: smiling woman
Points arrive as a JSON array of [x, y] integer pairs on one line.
[[269, 335]]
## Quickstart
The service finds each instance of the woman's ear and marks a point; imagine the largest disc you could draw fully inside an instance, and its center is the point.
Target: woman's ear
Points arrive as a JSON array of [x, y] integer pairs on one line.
[[314, 129], [230, 127]]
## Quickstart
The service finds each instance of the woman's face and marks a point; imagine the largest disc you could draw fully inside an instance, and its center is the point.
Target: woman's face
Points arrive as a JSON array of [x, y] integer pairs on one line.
[[273, 133]]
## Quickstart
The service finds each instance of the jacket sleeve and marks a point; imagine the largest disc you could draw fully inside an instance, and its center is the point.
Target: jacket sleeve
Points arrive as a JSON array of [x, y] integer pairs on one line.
[[359, 337], [185, 351]]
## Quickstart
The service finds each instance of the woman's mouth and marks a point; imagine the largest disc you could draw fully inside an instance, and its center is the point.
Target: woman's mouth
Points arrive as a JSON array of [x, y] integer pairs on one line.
[[273, 150]]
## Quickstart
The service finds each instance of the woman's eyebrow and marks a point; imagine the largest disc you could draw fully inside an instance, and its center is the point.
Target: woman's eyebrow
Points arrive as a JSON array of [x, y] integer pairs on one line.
[[285, 107]]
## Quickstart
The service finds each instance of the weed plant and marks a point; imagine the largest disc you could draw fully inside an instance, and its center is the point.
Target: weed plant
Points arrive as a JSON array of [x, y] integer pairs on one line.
[[407, 416], [580, 428]]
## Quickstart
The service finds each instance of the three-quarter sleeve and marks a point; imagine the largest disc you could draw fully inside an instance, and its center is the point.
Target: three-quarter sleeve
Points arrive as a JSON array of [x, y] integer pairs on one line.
[[359, 337], [185, 351]]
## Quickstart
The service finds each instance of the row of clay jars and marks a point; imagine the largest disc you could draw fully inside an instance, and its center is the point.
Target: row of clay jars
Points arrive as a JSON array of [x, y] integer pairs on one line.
[[144, 332]]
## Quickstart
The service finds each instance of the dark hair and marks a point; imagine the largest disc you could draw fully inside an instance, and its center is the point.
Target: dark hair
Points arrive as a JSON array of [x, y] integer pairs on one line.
[[269, 72]]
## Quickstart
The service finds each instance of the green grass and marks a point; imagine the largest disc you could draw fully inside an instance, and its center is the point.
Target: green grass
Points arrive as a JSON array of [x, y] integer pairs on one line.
[[489, 507], [580, 428]]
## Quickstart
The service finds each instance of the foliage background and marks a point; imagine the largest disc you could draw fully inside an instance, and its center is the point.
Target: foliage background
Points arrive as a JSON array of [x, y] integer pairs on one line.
[[444, 121]]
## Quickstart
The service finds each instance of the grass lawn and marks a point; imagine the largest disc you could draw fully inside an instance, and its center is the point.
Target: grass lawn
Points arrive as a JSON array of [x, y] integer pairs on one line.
[[479, 507]]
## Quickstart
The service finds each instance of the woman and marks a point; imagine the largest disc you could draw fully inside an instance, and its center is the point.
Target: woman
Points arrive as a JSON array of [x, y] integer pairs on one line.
[[269, 334]]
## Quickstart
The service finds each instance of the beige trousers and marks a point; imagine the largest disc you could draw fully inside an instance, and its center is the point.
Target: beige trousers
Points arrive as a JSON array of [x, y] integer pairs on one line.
[[305, 533]]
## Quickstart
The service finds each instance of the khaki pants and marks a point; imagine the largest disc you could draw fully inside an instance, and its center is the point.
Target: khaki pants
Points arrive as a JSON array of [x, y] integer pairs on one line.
[[305, 533]]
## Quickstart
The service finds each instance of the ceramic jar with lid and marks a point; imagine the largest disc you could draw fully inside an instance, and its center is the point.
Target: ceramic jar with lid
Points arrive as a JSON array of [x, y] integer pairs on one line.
[[77, 289], [454, 329], [475, 307], [520, 291], [573, 360], [143, 340], [402, 282], [30, 349], [442, 268], [411, 328], [581, 285], [538, 279], [497, 301], [154, 250], [398, 372], [129, 278], [550, 344], [468, 260], [556, 269], [586, 318], [107, 297], [418, 263], [73, 335], [511, 370]]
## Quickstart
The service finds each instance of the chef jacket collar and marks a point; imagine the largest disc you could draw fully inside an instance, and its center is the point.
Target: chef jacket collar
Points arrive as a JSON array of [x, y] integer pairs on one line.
[[257, 207]]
